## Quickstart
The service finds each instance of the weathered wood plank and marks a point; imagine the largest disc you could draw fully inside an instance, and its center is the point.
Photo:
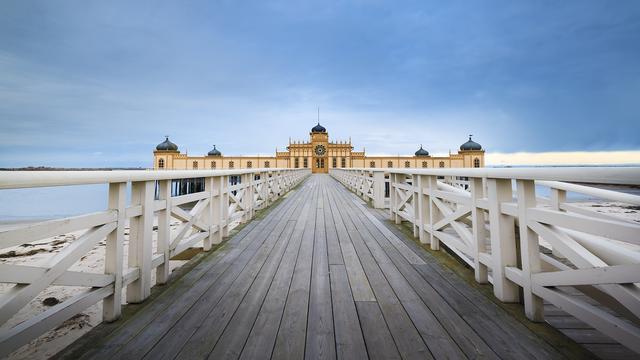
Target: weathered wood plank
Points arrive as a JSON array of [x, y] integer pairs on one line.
[[333, 246], [235, 334], [407, 338], [320, 338], [492, 323], [359, 284], [263, 334], [290, 342], [348, 338], [460, 332], [378, 338], [211, 320], [434, 335], [174, 339]]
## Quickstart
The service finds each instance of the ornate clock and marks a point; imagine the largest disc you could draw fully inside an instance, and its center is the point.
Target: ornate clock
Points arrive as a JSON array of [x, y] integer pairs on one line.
[[320, 150]]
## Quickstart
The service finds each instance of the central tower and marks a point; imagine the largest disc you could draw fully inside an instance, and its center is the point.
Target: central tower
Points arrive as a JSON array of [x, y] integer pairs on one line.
[[319, 148]]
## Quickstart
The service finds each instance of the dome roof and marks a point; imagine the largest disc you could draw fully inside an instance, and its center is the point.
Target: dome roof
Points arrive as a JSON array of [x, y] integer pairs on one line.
[[214, 152], [167, 145], [422, 152], [318, 129], [470, 145]]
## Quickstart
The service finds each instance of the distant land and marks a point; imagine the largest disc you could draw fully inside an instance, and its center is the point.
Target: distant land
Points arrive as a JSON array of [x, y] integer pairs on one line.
[[46, 168]]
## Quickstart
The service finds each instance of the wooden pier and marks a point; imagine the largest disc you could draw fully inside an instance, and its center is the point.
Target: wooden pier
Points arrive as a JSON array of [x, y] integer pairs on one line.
[[318, 271], [321, 277]]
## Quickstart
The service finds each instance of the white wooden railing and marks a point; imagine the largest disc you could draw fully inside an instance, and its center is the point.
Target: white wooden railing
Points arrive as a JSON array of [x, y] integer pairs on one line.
[[595, 253], [205, 218]]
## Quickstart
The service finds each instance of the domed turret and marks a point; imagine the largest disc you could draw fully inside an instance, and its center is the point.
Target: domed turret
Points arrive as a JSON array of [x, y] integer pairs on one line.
[[167, 145], [214, 152], [318, 129], [422, 152], [470, 145]]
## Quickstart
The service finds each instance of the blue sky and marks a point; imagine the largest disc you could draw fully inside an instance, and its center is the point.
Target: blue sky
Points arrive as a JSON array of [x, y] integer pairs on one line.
[[98, 83]]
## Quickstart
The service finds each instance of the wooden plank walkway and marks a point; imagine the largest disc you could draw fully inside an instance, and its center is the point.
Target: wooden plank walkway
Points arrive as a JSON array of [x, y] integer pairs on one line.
[[320, 277]]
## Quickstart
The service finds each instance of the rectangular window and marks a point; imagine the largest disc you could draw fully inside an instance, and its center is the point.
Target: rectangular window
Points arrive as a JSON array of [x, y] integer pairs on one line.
[[343, 163], [389, 164], [249, 164], [305, 163], [335, 162]]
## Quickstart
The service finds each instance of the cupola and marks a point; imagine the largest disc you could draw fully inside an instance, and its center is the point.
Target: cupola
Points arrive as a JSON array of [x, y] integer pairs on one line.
[[470, 145], [214, 152], [318, 129], [422, 152], [167, 145]]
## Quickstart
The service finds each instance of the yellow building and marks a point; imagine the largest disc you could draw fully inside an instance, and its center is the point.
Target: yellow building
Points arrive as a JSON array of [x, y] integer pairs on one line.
[[319, 154]]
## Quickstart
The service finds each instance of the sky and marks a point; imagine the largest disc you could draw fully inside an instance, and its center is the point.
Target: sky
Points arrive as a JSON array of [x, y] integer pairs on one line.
[[99, 83]]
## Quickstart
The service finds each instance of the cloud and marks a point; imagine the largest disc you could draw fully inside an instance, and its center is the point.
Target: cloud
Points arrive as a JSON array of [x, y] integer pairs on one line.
[[83, 78]]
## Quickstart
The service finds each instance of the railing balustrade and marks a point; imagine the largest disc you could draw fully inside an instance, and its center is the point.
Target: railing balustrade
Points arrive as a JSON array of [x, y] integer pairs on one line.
[[205, 217], [531, 248]]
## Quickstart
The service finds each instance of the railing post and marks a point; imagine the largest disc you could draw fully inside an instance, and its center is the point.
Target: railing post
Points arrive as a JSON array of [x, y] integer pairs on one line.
[[415, 203], [224, 206], [142, 193], [479, 232], [395, 217], [215, 206], [246, 201], [557, 198], [529, 250], [112, 305], [209, 218], [503, 242], [434, 212], [164, 231], [423, 207], [378, 189], [264, 180]]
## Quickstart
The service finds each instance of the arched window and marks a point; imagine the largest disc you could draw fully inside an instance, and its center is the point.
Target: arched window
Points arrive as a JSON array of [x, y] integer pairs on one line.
[[195, 165], [230, 164], [343, 163], [267, 164], [249, 164], [476, 163], [296, 162], [305, 163], [389, 164], [335, 162], [372, 164], [424, 164], [441, 164], [407, 164], [161, 164], [213, 164]]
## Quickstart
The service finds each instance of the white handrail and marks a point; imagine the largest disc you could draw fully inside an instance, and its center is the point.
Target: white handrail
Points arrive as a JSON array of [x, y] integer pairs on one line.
[[211, 214], [29, 179], [499, 231], [593, 175]]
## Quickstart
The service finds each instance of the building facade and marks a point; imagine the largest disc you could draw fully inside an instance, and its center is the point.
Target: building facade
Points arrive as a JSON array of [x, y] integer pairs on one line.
[[318, 154]]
